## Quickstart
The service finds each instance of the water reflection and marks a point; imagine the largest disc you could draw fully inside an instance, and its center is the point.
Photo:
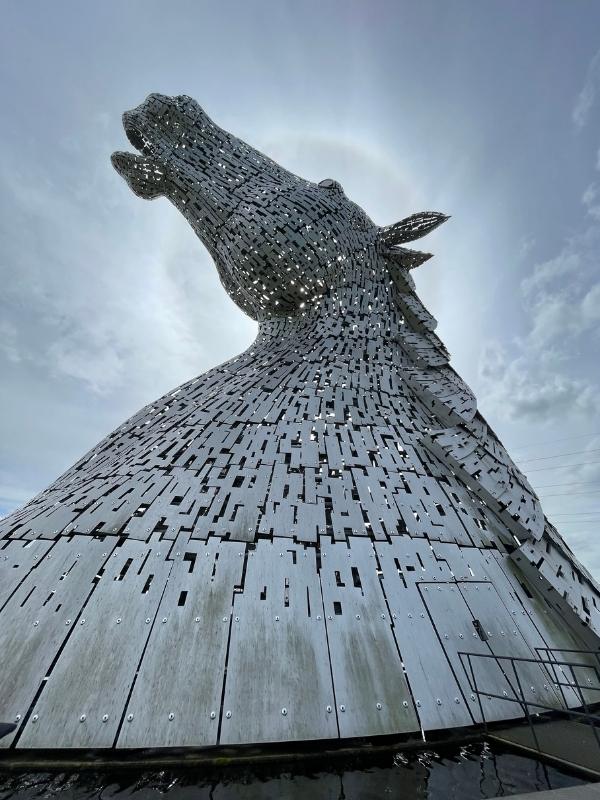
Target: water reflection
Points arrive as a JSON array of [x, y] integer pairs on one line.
[[471, 772]]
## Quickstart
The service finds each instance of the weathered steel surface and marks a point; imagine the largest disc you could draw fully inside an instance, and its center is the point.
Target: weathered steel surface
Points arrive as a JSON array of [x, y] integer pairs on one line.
[[278, 675], [343, 440], [40, 617], [17, 559], [371, 691], [83, 700], [442, 698], [176, 700]]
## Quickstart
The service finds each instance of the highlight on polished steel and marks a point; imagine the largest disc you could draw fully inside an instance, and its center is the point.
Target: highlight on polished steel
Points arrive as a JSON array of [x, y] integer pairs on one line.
[[304, 542]]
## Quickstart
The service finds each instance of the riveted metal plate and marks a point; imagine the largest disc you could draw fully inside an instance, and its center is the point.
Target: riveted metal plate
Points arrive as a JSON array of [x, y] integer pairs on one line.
[[180, 679], [365, 662], [278, 675], [97, 666]]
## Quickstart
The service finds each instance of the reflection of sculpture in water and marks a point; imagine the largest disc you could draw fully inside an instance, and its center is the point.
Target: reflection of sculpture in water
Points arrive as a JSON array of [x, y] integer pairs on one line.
[[304, 540]]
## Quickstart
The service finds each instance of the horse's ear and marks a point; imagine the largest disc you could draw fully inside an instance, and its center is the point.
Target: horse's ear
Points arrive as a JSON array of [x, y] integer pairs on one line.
[[410, 228], [408, 259]]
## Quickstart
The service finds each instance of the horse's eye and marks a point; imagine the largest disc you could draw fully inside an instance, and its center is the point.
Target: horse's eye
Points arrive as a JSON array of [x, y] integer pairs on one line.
[[329, 183]]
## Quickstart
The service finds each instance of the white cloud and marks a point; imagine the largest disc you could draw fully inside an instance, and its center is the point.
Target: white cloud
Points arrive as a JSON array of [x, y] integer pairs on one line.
[[587, 95], [550, 371], [8, 341]]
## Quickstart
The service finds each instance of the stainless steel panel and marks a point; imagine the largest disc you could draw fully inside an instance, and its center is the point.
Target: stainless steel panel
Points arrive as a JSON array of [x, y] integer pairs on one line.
[[278, 684], [176, 699]]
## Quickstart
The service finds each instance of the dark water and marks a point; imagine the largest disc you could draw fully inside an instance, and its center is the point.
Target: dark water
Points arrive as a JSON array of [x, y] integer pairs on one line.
[[466, 773]]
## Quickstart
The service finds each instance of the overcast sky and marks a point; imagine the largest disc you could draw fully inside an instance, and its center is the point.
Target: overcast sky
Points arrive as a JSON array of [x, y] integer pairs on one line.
[[488, 111]]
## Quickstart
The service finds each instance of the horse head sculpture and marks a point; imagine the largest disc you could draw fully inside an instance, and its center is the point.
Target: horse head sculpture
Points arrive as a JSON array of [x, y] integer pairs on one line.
[[279, 242]]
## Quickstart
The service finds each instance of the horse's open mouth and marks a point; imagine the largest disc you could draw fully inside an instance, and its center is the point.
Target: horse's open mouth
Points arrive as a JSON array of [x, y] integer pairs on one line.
[[141, 170], [136, 136]]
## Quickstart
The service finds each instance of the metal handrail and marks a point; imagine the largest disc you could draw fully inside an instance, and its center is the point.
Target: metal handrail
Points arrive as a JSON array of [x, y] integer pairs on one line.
[[549, 661]]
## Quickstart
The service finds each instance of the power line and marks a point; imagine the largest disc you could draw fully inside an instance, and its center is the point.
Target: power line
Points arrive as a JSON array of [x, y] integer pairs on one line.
[[559, 455], [574, 513], [577, 483], [564, 466], [552, 441], [568, 494]]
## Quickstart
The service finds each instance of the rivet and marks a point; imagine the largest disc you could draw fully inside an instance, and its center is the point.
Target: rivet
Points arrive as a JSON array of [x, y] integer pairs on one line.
[[358, 616], [284, 712], [129, 717], [456, 700], [68, 622], [82, 622], [329, 709], [472, 697], [277, 619], [82, 718], [228, 715], [17, 718], [419, 703], [383, 616], [164, 619], [118, 620], [36, 623], [35, 718], [147, 620], [105, 718], [342, 708], [197, 619], [224, 619], [410, 616], [212, 715], [405, 703], [438, 701], [318, 616], [171, 716], [379, 706], [237, 619]]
